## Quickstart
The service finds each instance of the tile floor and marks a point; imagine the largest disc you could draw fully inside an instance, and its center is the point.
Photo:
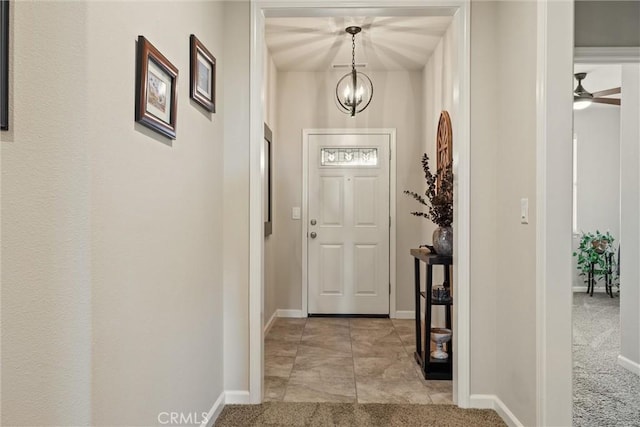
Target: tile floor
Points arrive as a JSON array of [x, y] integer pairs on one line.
[[346, 360]]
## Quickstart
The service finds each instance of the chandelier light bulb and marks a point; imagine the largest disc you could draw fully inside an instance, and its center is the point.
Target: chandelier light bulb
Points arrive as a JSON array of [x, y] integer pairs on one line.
[[348, 96]]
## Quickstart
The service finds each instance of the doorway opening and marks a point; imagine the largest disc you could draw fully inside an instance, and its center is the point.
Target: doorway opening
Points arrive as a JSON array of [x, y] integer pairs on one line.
[[605, 217], [315, 110]]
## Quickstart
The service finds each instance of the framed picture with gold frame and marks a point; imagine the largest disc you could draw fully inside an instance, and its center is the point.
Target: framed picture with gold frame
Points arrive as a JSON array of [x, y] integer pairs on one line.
[[156, 90]]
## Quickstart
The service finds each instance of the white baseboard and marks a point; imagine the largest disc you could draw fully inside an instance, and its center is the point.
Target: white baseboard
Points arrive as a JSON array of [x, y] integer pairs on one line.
[[269, 323], [482, 401], [289, 313], [236, 397], [215, 411], [400, 314], [405, 314], [491, 401], [226, 398], [629, 365]]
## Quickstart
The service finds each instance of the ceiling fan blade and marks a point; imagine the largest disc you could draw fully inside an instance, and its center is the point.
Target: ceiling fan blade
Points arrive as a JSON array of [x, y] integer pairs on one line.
[[606, 92], [610, 101]]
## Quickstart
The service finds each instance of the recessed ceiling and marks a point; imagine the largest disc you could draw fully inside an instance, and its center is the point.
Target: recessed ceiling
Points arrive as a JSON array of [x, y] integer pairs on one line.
[[385, 43]]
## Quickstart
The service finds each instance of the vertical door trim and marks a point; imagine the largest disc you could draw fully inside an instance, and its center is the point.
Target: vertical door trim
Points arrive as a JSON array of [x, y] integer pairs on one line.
[[554, 132], [392, 207]]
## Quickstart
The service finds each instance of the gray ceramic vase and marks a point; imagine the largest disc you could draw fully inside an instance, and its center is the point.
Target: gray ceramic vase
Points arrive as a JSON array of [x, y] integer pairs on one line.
[[443, 241]]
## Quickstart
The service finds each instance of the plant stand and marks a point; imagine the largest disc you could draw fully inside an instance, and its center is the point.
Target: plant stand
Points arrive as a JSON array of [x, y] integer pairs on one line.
[[591, 279]]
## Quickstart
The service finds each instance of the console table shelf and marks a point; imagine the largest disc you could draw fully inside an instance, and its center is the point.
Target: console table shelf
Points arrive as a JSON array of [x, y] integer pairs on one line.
[[432, 369]]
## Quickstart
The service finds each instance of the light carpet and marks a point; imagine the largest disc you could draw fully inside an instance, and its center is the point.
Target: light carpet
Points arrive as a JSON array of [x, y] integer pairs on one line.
[[354, 414], [604, 393]]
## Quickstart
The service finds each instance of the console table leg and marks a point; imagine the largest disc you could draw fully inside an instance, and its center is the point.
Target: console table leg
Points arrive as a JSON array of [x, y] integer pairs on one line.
[[427, 317], [417, 303]]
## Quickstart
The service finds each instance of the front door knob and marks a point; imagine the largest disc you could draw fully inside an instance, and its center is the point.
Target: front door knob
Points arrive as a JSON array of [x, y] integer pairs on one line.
[[313, 234]]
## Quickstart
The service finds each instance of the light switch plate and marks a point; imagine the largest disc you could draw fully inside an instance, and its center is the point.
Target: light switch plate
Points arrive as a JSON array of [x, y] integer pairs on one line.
[[295, 212], [524, 211]]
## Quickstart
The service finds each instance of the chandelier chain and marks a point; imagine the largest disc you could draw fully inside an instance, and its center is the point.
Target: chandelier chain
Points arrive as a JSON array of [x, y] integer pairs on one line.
[[353, 51]]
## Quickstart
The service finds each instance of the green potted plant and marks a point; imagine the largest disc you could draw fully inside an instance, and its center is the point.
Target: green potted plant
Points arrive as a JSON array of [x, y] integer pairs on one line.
[[439, 202], [596, 248]]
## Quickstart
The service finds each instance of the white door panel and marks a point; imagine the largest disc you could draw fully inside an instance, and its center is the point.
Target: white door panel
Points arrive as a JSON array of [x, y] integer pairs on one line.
[[332, 195], [331, 270], [348, 205]]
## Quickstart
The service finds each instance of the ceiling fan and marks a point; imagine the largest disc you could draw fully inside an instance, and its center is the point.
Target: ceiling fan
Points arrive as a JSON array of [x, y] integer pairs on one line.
[[582, 99]]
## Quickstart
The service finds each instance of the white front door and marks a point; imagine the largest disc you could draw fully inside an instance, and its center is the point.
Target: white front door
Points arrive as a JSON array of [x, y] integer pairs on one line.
[[348, 229]]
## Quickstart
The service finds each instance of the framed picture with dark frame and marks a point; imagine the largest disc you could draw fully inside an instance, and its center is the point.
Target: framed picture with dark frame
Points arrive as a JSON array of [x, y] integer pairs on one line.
[[203, 75], [4, 64], [268, 186], [156, 90]]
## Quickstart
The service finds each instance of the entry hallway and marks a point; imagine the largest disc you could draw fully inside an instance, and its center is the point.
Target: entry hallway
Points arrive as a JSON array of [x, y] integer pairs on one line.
[[346, 360]]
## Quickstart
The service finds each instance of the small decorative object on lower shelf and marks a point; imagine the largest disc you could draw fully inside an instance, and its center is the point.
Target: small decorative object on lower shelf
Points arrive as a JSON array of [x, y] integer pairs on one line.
[[441, 294], [440, 336]]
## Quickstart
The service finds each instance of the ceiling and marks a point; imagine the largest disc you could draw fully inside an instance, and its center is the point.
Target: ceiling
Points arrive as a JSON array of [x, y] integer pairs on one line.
[[385, 43]]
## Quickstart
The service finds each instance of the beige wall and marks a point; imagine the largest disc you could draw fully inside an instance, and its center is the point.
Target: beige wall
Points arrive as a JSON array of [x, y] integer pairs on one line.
[[236, 196], [630, 212], [516, 174], [438, 88], [156, 212], [503, 251], [112, 278], [483, 222], [46, 277], [438, 95], [597, 129], [270, 108], [397, 103]]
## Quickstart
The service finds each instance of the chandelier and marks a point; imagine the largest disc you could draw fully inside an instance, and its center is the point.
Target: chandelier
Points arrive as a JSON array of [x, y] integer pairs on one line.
[[354, 90]]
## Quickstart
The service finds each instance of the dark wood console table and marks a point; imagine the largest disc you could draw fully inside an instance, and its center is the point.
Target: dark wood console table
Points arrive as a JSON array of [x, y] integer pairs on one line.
[[432, 369]]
